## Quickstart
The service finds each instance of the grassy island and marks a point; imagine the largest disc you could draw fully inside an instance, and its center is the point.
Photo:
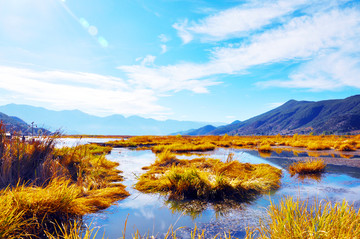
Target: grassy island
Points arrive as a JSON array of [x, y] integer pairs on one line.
[[310, 166], [208, 179]]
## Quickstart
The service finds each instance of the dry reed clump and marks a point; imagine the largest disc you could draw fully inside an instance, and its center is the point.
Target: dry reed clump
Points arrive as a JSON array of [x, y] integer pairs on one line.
[[316, 145], [208, 179], [179, 148], [265, 148], [73, 230], [36, 194], [309, 166], [39, 207], [346, 147], [202, 143], [297, 219]]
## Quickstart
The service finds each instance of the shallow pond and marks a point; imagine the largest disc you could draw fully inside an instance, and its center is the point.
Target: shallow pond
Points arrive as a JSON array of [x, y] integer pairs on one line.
[[154, 215]]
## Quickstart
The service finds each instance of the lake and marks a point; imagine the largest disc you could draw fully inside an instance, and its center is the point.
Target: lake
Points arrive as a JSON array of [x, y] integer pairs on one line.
[[153, 214]]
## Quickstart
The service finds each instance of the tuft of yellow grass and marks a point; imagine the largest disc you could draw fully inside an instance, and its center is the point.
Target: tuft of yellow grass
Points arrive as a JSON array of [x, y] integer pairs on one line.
[[203, 143], [34, 194], [208, 179], [293, 218], [318, 145], [346, 147], [265, 148], [309, 166]]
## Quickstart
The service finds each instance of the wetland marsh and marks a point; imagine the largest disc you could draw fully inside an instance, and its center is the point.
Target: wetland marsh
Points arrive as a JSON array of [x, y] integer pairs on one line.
[[153, 214]]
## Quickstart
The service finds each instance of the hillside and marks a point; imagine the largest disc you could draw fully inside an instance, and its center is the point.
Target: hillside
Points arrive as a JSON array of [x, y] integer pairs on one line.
[[328, 116], [14, 124], [78, 122]]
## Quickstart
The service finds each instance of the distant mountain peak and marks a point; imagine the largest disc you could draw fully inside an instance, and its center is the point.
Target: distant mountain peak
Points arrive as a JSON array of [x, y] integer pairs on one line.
[[78, 122], [328, 116]]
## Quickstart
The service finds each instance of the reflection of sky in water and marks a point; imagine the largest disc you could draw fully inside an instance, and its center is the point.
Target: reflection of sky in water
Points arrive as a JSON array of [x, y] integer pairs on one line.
[[71, 142], [149, 214]]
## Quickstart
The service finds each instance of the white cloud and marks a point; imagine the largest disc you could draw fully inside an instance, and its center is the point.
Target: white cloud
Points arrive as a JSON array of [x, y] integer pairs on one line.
[[163, 38], [170, 78], [91, 93], [326, 72], [148, 60], [301, 39], [183, 33], [163, 49], [237, 21]]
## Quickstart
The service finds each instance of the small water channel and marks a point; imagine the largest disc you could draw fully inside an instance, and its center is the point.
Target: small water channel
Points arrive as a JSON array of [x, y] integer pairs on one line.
[[154, 215]]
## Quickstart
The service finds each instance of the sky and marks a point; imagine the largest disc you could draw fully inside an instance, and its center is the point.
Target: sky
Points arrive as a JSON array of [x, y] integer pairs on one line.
[[211, 61]]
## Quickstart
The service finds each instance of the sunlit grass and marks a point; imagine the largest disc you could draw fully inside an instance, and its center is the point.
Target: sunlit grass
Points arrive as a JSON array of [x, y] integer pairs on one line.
[[309, 166], [207, 179], [262, 143], [43, 186], [265, 148], [179, 148], [293, 218]]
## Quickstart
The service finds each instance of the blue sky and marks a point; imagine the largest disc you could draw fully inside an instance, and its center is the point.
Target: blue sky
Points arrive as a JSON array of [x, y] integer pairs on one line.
[[198, 60]]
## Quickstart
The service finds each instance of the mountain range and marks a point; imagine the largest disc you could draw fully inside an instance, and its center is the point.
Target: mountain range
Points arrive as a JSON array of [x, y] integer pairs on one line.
[[14, 124], [78, 122], [339, 116]]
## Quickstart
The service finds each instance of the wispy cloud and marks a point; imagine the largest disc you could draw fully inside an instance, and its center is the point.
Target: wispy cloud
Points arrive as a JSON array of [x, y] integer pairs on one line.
[[237, 21], [163, 38], [327, 72], [331, 37], [171, 78], [91, 93], [182, 31], [163, 49]]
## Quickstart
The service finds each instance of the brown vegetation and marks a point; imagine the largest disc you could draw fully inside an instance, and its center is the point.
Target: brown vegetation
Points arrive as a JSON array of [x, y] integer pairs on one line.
[[262, 143], [297, 219], [208, 179], [43, 186], [309, 166]]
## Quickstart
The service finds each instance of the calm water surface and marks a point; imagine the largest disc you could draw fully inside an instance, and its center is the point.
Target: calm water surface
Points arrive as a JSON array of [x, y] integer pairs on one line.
[[154, 215]]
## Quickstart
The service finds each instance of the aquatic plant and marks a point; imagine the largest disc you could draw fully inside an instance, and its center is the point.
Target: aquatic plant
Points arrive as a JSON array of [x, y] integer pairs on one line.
[[265, 148], [316, 145], [346, 147], [177, 147], [193, 143], [293, 218], [309, 166], [35, 194], [208, 179]]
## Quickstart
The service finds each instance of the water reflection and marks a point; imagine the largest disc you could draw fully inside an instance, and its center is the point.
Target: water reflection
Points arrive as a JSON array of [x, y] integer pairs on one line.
[[195, 208], [313, 176], [153, 214]]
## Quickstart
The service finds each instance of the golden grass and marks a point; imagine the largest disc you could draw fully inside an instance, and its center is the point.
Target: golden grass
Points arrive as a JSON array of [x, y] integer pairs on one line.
[[72, 230], [297, 219], [309, 166], [179, 148], [35, 195], [207, 179], [265, 148], [316, 145], [262, 143], [346, 147]]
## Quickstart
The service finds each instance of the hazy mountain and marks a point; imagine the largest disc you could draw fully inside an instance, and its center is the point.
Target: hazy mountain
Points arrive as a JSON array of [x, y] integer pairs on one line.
[[15, 124], [328, 116], [201, 131], [77, 122]]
